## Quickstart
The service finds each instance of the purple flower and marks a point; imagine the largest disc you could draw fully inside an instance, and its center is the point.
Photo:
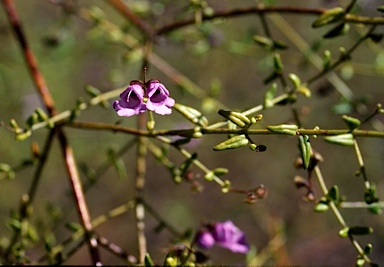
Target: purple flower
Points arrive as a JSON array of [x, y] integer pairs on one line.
[[225, 234], [133, 101], [158, 98], [205, 239]]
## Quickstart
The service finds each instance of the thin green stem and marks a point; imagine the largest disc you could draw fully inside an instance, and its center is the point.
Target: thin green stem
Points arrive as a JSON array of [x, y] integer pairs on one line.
[[337, 213], [209, 130], [361, 163]]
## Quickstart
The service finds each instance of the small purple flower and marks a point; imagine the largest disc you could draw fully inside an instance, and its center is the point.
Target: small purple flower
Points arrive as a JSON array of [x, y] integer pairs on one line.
[[131, 102], [134, 102], [225, 234], [205, 239], [158, 98]]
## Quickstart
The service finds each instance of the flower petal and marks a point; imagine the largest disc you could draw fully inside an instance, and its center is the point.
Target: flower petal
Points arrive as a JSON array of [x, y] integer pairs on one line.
[[205, 239], [227, 235], [131, 102], [158, 98]]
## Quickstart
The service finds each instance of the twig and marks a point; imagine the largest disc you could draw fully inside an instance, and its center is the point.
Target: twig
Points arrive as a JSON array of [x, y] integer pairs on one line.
[[45, 95], [209, 130], [263, 10], [127, 13]]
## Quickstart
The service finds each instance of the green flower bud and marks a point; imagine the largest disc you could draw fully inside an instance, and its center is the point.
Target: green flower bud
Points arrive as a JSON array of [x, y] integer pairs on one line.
[[352, 122], [341, 139], [321, 207], [327, 59], [333, 194], [295, 80], [232, 143], [209, 176], [253, 147], [305, 150], [197, 133], [269, 95], [331, 15], [24, 135], [237, 118], [191, 114], [263, 41], [283, 128], [360, 230], [33, 119], [304, 91], [344, 232], [41, 114], [220, 171], [368, 249], [278, 63]]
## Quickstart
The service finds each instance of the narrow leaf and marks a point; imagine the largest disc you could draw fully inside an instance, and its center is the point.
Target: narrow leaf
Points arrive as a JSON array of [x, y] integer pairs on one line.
[[341, 139]]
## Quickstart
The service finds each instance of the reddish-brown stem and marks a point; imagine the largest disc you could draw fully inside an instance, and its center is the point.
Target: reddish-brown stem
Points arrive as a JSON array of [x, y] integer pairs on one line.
[[240, 12], [127, 13], [68, 156]]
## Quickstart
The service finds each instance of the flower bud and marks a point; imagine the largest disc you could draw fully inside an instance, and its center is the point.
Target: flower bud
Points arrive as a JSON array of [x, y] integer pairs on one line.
[[330, 15], [269, 95], [192, 115], [341, 139], [284, 129], [352, 122], [236, 117], [234, 142]]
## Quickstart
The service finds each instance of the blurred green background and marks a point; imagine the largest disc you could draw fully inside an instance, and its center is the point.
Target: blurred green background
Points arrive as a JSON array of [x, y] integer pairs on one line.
[[71, 54]]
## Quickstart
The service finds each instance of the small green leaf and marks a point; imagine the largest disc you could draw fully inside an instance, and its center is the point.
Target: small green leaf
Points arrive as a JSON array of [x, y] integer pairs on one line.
[[341, 139], [5, 167], [333, 194], [360, 261], [368, 249], [380, 9], [73, 226], [277, 44], [289, 129], [15, 126], [263, 41], [360, 230], [269, 95], [236, 117], [327, 59], [295, 80], [375, 209], [375, 37], [232, 143], [305, 150], [321, 207], [352, 122], [370, 195], [220, 171], [209, 176], [339, 30], [41, 114], [344, 232], [92, 91], [304, 91], [33, 119], [24, 135], [192, 115], [329, 16], [278, 64], [148, 260]]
